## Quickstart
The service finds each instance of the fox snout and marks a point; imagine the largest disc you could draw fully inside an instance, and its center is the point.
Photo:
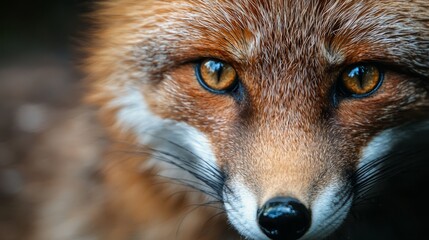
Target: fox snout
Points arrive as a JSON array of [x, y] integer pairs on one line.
[[286, 217], [295, 192]]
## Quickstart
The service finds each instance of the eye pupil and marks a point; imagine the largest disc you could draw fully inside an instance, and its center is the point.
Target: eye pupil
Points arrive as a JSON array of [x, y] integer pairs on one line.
[[216, 76], [214, 68]]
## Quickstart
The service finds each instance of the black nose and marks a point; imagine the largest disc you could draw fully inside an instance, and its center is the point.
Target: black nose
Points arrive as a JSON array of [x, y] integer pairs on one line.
[[284, 219]]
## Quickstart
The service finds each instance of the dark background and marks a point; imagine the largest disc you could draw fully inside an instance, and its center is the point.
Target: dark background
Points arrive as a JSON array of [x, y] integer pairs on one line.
[[34, 27], [39, 83]]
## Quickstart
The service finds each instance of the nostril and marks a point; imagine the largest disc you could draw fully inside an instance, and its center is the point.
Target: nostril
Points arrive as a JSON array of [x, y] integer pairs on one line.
[[284, 218]]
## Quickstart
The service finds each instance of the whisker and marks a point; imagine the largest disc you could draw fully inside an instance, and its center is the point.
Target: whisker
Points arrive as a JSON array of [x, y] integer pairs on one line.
[[198, 172], [380, 170], [203, 232], [194, 208]]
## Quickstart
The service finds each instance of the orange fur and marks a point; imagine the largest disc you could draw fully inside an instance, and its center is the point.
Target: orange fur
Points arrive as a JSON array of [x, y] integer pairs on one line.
[[284, 137]]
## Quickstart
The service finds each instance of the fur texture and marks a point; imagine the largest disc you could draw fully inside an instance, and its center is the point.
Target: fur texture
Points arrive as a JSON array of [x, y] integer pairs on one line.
[[282, 135]]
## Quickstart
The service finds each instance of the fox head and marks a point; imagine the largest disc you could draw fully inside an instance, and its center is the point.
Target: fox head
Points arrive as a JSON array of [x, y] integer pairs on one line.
[[279, 109]]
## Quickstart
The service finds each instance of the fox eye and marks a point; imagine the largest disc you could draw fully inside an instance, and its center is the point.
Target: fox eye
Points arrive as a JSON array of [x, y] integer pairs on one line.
[[361, 80], [216, 76]]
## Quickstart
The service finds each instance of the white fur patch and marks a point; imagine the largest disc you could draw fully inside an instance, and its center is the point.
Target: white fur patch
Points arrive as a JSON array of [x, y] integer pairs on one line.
[[382, 144], [379, 146], [328, 211], [241, 208], [177, 139]]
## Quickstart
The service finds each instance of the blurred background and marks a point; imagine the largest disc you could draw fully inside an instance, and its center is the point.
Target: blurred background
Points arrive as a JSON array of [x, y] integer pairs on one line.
[[39, 85]]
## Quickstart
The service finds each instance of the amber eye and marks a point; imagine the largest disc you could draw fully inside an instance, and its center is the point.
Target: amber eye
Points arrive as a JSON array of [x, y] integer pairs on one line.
[[361, 80], [216, 76]]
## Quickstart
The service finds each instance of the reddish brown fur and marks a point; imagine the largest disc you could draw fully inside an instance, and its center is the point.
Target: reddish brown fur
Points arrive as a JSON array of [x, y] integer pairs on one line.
[[288, 55]]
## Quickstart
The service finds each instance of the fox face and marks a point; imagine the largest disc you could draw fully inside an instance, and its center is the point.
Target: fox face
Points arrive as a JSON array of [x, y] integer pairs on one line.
[[280, 110]]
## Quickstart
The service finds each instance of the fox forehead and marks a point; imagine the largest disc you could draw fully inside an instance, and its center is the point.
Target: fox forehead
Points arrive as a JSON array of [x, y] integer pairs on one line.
[[287, 52], [278, 35]]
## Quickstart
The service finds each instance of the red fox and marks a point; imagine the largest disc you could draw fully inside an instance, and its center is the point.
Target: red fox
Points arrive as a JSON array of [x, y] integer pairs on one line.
[[249, 119]]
